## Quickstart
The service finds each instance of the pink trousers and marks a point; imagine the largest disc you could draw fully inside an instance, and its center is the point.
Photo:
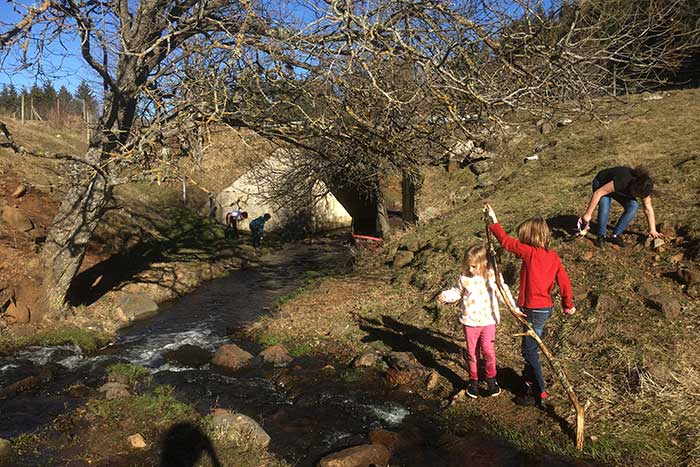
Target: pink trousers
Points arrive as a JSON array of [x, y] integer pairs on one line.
[[481, 338]]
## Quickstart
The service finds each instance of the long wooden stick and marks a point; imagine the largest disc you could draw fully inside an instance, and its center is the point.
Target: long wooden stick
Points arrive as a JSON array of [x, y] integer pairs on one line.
[[554, 363]]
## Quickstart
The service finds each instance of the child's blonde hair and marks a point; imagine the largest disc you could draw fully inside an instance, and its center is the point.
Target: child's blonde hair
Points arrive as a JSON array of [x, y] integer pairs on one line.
[[535, 232], [478, 255]]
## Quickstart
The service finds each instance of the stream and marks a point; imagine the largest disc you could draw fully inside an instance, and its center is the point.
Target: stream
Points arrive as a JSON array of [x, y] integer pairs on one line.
[[307, 412]]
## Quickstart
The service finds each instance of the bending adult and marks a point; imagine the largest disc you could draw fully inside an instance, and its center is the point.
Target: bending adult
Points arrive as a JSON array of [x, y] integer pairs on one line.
[[625, 185]]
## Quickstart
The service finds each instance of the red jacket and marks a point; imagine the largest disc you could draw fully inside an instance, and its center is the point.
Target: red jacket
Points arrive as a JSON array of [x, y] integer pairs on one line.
[[541, 267]]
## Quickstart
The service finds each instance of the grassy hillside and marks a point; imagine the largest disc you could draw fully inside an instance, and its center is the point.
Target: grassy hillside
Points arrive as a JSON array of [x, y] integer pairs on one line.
[[636, 366]]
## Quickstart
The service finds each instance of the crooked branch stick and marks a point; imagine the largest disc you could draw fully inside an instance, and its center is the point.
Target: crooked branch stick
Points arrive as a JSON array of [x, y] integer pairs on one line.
[[554, 363]]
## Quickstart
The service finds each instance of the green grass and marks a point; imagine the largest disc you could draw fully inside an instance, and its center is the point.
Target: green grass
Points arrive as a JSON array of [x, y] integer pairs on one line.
[[89, 341], [158, 407], [136, 373]]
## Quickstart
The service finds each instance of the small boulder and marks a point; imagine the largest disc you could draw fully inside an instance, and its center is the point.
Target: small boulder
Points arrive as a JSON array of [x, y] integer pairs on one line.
[[669, 306], [115, 390], [358, 456], [402, 258], [232, 357], [17, 219], [606, 303], [188, 355], [402, 361], [20, 191], [544, 127], [18, 313], [693, 291], [366, 359], [647, 290], [388, 439], [136, 441], [116, 377], [278, 355], [657, 243], [135, 306], [481, 167], [238, 428], [410, 243], [431, 381], [689, 276], [5, 451]]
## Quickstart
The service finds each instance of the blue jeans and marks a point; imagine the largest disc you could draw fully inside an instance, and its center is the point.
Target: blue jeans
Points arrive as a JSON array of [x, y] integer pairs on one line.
[[630, 206], [532, 372]]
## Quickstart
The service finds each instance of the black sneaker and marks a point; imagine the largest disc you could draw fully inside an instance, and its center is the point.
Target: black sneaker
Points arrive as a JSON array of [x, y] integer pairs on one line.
[[599, 242], [492, 388], [525, 400], [473, 389], [544, 402], [617, 240]]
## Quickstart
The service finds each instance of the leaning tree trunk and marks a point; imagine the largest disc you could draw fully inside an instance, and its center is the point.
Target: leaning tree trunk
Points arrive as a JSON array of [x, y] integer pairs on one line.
[[382, 217], [81, 210]]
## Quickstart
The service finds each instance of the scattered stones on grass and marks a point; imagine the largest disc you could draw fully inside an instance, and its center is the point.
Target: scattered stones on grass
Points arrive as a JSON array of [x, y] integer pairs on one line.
[[20, 191], [647, 290], [136, 441]]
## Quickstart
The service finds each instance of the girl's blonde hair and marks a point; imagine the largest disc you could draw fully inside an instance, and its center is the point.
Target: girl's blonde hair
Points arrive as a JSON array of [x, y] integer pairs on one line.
[[476, 254], [535, 232]]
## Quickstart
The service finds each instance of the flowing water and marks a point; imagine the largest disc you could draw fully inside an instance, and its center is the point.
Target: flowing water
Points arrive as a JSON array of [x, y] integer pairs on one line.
[[307, 412]]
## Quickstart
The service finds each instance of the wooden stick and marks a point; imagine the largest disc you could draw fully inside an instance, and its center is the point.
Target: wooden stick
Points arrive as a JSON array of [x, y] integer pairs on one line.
[[553, 362]]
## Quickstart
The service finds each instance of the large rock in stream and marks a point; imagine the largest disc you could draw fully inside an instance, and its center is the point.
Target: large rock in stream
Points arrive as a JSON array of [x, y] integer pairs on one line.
[[135, 306], [365, 455], [188, 355], [231, 356]]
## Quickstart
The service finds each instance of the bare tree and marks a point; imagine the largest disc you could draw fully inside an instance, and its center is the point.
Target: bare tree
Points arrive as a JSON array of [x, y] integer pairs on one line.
[[360, 88]]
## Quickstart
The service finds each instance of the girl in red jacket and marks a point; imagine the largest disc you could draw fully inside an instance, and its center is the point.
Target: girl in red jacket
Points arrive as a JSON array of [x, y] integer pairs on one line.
[[541, 267]]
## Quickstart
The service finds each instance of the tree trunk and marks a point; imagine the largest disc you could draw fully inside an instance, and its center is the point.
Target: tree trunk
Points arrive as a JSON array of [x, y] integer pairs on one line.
[[81, 210], [383, 226], [408, 200]]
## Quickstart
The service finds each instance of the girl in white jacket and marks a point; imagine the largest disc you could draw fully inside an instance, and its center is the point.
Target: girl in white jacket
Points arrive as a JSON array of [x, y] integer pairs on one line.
[[477, 293]]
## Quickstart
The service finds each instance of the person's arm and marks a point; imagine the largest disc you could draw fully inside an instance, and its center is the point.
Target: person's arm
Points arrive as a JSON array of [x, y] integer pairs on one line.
[[651, 218], [454, 294], [595, 199], [509, 243], [567, 301]]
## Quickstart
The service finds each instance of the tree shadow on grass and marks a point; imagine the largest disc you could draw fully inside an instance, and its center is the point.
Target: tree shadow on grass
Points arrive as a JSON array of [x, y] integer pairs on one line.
[[186, 237], [184, 444]]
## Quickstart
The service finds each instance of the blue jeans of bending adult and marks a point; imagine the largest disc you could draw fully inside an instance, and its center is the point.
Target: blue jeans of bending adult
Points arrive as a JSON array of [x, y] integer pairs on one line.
[[630, 206], [532, 373]]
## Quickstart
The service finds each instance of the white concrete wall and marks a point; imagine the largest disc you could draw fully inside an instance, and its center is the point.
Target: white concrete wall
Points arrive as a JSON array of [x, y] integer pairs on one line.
[[248, 193]]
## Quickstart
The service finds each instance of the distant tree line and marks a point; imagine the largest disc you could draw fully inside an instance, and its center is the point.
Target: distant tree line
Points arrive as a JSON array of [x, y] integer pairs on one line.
[[47, 102]]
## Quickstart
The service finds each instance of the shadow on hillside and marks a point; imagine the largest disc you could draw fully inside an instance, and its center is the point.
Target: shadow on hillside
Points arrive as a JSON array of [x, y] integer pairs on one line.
[[189, 238]]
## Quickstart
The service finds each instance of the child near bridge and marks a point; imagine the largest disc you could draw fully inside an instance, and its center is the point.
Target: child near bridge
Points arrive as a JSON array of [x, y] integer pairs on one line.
[[541, 267], [477, 294]]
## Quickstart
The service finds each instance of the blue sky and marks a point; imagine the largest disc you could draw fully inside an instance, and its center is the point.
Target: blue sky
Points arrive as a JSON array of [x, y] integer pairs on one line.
[[60, 68]]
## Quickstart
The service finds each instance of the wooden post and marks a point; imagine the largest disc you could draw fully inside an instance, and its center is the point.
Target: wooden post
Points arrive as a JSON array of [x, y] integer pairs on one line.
[[556, 366], [22, 107]]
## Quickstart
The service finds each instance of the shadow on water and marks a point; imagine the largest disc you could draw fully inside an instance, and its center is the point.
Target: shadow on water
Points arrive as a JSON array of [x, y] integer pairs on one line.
[[184, 445]]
